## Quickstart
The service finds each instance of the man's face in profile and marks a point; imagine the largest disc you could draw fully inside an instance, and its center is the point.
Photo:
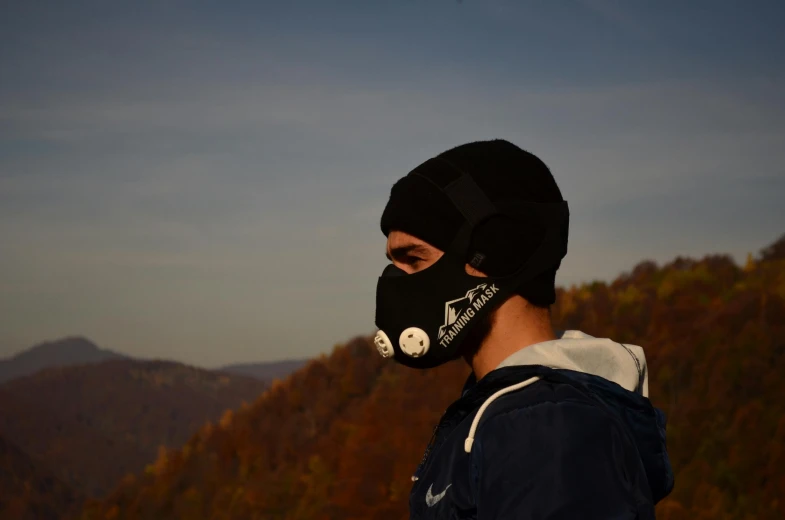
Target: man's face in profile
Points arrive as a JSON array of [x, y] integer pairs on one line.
[[409, 253], [412, 255]]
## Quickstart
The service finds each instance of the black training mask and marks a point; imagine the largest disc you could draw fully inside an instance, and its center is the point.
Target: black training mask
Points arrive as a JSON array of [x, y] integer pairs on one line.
[[424, 317]]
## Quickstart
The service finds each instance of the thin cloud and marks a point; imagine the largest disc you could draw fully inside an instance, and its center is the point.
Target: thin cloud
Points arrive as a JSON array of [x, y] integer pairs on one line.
[[214, 188], [617, 15]]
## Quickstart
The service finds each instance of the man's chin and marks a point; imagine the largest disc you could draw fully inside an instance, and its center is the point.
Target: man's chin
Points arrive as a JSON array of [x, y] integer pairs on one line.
[[476, 337]]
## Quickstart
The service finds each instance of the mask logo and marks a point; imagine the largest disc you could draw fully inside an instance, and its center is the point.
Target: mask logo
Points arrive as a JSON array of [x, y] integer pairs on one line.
[[458, 312]]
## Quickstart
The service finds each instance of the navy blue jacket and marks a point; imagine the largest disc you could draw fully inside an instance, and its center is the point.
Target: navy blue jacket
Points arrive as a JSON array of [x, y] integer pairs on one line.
[[569, 446]]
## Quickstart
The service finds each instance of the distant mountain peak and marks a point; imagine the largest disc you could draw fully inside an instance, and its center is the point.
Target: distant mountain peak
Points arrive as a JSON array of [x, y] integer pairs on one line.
[[68, 342], [68, 351]]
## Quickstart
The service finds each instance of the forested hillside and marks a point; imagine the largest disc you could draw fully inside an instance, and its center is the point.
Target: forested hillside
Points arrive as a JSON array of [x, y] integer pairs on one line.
[[91, 424], [28, 491], [341, 437]]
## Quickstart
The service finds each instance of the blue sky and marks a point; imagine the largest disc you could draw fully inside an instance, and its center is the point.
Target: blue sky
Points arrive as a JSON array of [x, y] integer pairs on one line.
[[202, 181]]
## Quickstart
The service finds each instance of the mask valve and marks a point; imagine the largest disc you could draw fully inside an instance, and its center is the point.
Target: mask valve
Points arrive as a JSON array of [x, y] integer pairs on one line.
[[414, 342], [383, 344]]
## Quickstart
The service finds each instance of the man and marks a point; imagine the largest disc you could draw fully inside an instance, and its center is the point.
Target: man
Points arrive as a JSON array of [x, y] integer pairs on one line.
[[549, 426]]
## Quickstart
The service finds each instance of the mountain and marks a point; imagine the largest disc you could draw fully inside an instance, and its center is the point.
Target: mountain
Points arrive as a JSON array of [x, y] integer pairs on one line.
[[92, 424], [77, 350], [265, 371], [341, 437], [28, 492], [64, 352]]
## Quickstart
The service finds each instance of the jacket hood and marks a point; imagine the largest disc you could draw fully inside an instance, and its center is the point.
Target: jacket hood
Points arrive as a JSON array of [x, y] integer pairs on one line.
[[622, 364], [615, 375]]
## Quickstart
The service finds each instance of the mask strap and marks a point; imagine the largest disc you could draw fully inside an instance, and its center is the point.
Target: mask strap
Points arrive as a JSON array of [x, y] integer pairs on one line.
[[470, 201], [475, 207], [552, 249]]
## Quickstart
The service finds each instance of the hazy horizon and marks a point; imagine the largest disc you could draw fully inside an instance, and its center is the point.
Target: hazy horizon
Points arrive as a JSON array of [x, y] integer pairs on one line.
[[3, 357], [203, 182]]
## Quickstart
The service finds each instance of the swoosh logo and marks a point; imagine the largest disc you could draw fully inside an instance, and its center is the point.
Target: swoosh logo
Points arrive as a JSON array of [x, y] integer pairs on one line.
[[432, 499]]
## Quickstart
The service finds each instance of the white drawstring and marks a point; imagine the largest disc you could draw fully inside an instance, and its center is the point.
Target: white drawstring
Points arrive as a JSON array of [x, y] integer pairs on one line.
[[467, 444]]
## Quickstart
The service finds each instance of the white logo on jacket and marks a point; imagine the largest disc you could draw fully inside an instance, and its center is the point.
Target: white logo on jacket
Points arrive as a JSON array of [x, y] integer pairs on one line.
[[431, 499]]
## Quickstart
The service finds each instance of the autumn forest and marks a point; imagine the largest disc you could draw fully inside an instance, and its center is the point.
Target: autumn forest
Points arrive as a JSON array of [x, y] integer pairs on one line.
[[341, 436]]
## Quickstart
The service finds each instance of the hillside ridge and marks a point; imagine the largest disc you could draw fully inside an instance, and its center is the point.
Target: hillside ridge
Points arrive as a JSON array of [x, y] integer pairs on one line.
[[314, 447]]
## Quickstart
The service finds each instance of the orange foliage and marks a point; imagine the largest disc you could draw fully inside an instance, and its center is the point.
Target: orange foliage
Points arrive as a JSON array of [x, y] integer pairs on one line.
[[340, 438]]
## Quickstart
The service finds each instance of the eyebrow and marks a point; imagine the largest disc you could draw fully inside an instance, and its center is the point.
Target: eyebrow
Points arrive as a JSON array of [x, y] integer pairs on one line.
[[401, 251]]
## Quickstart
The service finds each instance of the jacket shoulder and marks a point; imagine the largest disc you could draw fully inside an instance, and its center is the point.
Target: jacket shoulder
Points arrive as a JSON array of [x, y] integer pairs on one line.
[[546, 390]]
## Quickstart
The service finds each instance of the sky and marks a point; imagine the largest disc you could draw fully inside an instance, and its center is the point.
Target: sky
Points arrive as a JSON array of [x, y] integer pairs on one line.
[[202, 181]]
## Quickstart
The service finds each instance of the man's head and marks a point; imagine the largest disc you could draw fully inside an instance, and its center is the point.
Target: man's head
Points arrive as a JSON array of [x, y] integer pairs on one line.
[[412, 255], [422, 219]]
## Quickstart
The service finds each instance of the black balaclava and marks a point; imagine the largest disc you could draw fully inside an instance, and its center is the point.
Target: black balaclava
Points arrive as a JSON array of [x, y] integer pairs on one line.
[[506, 174]]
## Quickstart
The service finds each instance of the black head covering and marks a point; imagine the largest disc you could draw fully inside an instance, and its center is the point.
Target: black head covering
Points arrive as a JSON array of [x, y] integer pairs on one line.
[[507, 174]]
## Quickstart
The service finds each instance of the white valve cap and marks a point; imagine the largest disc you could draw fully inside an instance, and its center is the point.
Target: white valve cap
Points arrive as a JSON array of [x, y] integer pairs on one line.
[[414, 342], [383, 344]]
